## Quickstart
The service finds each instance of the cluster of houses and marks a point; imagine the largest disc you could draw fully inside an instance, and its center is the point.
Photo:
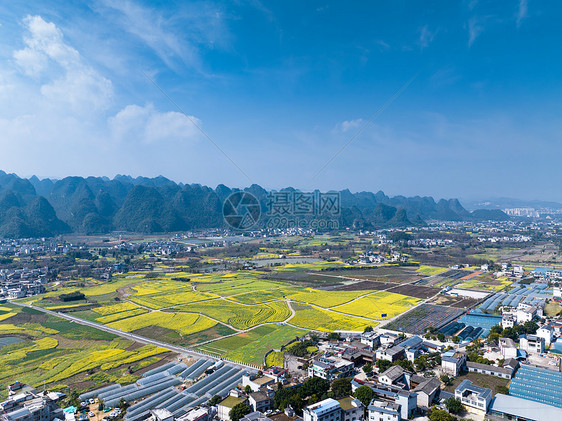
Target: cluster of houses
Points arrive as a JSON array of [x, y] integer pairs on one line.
[[20, 283], [376, 258], [547, 274], [25, 403], [430, 242], [506, 239], [397, 392], [157, 247], [28, 246], [400, 394]]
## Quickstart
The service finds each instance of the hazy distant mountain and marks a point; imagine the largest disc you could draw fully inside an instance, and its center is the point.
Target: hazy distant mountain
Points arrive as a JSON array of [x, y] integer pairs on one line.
[[506, 203], [490, 215], [95, 205]]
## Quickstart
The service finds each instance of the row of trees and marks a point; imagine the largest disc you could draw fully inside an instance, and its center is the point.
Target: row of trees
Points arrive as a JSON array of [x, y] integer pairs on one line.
[[528, 328]]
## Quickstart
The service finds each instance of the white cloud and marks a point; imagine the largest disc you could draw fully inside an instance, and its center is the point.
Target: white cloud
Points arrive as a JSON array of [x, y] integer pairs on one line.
[[383, 45], [348, 125], [58, 115], [46, 52], [475, 28], [522, 14], [426, 36], [149, 125], [151, 29], [201, 24]]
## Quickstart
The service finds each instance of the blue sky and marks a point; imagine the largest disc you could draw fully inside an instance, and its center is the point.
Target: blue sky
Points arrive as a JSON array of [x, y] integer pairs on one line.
[[281, 86]]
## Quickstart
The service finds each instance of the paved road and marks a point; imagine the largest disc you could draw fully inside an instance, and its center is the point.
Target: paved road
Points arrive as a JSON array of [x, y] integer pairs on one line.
[[127, 335]]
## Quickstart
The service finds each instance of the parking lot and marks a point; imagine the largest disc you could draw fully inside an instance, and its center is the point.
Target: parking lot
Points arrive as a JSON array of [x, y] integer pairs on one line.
[[93, 414]]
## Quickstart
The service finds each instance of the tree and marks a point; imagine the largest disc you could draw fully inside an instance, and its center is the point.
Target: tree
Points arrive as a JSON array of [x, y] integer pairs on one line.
[[382, 365], [334, 336], [367, 368], [123, 404], [314, 386], [365, 394], [248, 389], [441, 336], [300, 349], [215, 400], [368, 329], [454, 405], [456, 339], [420, 364], [530, 327], [239, 411], [341, 387], [440, 415], [447, 380], [405, 364], [496, 329]]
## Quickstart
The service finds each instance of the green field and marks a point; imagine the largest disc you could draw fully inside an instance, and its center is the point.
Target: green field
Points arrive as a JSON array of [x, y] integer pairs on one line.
[[250, 347], [186, 309]]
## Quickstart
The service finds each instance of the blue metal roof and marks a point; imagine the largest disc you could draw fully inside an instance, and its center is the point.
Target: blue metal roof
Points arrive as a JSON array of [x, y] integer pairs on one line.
[[537, 384], [524, 408]]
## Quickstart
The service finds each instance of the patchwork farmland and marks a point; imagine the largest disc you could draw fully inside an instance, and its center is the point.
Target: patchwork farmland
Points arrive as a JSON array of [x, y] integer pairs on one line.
[[242, 315]]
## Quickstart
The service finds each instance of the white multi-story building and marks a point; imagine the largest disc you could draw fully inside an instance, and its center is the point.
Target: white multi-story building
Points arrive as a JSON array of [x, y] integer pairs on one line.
[[384, 411], [330, 369], [547, 333], [508, 320], [476, 399], [453, 362], [352, 409], [326, 410], [531, 343], [373, 339], [526, 314], [508, 348]]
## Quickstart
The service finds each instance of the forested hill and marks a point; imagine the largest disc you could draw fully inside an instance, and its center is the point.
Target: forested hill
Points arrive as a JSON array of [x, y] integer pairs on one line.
[[34, 207]]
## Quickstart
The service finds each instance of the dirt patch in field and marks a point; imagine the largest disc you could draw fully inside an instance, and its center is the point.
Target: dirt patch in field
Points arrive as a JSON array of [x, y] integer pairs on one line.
[[452, 301], [396, 274], [363, 286], [133, 346], [161, 334], [24, 317], [85, 385], [75, 343], [417, 291], [217, 331], [82, 308]]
